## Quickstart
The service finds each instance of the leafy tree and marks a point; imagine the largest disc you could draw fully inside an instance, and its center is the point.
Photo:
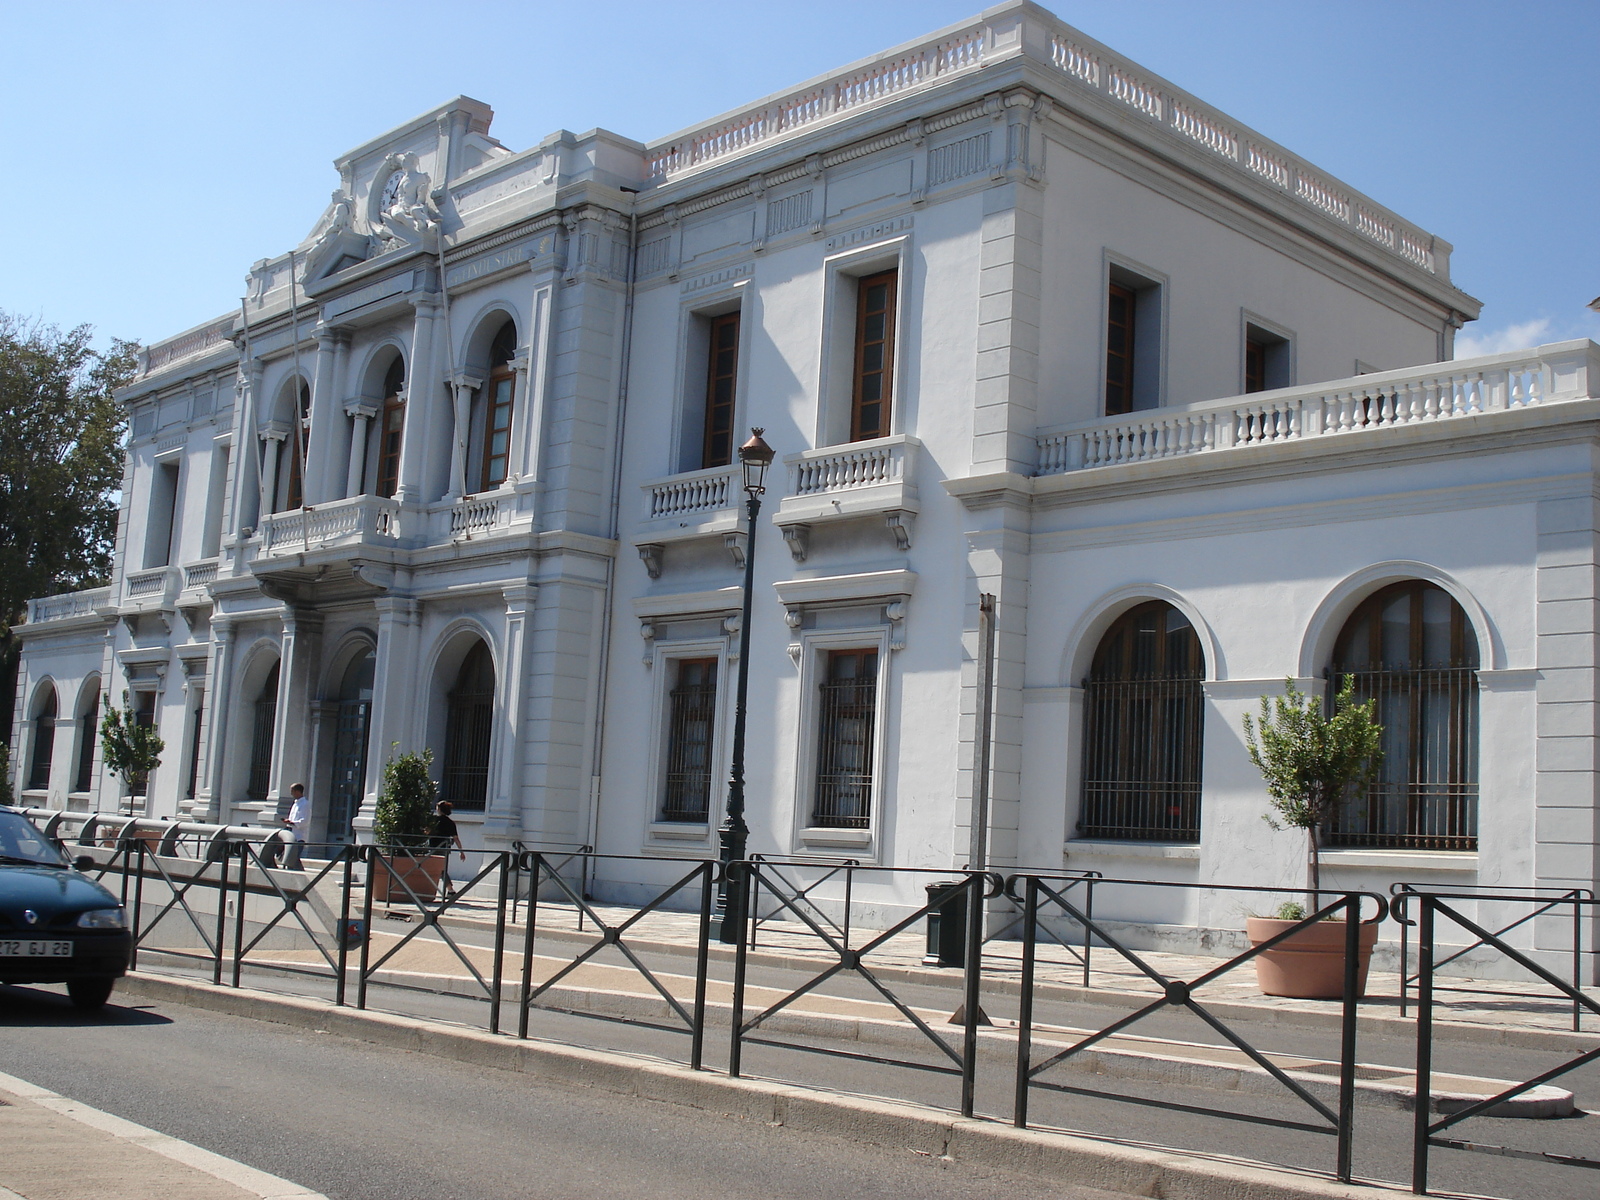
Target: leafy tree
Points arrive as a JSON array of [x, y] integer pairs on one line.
[[405, 801], [1310, 761], [60, 468], [132, 749]]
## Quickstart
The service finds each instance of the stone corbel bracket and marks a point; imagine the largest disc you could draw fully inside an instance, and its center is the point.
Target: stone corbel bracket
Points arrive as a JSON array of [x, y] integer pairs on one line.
[[651, 554], [799, 539]]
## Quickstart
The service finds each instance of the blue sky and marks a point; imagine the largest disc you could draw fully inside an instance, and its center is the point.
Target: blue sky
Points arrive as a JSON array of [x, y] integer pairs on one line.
[[155, 150]]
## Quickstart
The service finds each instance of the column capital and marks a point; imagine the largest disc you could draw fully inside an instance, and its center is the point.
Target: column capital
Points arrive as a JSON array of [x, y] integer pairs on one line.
[[519, 598], [277, 431], [467, 379], [361, 407], [424, 302]]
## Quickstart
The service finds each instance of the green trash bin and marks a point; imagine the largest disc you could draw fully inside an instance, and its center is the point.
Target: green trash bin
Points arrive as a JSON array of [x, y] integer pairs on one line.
[[947, 925]]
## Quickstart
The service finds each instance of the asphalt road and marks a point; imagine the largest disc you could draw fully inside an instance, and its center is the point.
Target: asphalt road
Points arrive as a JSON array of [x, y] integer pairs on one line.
[[363, 1123]]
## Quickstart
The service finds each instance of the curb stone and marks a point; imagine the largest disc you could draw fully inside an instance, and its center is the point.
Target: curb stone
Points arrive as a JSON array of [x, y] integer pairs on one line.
[[1129, 1169]]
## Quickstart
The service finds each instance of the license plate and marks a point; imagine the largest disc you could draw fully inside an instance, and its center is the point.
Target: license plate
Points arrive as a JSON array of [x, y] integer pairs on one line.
[[25, 948]]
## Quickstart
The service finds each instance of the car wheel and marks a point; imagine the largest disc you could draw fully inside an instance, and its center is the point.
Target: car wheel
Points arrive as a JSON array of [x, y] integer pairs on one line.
[[90, 994]]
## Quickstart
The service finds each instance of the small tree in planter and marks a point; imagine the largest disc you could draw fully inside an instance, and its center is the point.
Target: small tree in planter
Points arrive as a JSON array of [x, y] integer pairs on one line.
[[400, 826], [131, 748], [1310, 763]]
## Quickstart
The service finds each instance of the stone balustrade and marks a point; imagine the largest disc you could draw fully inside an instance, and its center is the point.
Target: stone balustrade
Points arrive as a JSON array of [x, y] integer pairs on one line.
[[339, 522], [67, 605], [1437, 392], [198, 575], [839, 468], [159, 582], [474, 514], [693, 492]]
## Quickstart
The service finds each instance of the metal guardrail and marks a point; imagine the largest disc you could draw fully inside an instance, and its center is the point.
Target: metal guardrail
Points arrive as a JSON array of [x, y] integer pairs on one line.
[[1540, 900], [970, 890], [1180, 993]]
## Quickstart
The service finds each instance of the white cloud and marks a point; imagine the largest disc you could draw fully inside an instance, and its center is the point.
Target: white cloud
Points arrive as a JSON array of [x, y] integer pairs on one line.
[[1498, 341]]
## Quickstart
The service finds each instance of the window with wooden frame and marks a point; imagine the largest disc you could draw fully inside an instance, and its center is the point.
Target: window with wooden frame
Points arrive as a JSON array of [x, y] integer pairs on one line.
[[391, 429], [873, 383], [499, 394], [1121, 325], [1255, 366], [722, 380], [468, 727], [295, 451], [1144, 709], [846, 729], [1411, 647], [1267, 359], [691, 742]]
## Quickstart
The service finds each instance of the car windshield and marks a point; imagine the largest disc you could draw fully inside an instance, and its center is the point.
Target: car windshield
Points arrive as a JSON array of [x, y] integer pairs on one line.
[[22, 843]]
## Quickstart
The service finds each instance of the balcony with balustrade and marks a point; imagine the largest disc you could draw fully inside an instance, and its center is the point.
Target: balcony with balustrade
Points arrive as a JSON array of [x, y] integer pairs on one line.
[[69, 609], [690, 506], [338, 525], [863, 481], [1436, 401]]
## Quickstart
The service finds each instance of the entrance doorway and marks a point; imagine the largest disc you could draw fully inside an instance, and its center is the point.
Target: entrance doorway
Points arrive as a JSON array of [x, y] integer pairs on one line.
[[350, 748]]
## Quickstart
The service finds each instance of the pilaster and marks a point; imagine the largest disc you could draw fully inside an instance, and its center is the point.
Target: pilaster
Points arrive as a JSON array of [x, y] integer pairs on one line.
[[1005, 403], [392, 696]]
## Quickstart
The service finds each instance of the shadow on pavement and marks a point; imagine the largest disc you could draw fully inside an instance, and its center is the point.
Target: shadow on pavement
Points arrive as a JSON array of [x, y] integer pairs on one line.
[[21, 1007]]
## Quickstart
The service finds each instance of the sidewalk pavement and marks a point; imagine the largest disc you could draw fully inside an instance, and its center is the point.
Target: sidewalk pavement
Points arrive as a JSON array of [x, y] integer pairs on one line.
[[54, 1148]]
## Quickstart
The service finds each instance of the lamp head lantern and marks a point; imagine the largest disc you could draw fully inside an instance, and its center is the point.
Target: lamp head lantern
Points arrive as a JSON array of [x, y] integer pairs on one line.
[[755, 456]]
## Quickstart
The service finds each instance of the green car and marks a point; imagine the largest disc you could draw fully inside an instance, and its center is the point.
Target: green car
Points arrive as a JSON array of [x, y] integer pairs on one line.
[[56, 924]]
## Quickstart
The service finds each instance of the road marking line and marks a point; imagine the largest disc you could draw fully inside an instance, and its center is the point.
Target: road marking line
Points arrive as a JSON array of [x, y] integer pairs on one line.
[[260, 1183]]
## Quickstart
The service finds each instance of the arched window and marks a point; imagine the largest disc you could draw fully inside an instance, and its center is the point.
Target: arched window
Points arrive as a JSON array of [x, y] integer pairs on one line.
[[261, 734], [350, 745], [88, 729], [391, 429], [44, 741], [469, 719], [292, 453], [1411, 647], [499, 394], [1141, 731]]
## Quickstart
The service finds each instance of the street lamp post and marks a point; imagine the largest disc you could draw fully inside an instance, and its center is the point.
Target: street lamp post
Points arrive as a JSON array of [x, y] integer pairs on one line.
[[755, 456]]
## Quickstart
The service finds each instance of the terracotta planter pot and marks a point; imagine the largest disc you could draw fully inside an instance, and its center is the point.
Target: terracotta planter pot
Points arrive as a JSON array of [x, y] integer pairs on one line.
[[1309, 965], [392, 875]]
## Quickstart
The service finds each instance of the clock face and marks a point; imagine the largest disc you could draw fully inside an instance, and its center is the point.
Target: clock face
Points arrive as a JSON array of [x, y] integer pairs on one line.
[[391, 191]]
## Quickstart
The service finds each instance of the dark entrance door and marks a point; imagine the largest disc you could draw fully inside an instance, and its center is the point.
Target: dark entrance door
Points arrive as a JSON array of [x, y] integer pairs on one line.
[[349, 768]]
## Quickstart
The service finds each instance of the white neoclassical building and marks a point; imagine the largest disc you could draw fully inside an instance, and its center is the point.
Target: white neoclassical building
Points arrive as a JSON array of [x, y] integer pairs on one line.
[[1019, 317]]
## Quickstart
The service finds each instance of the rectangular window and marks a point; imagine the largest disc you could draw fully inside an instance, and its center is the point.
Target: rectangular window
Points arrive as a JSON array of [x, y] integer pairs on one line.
[[390, 433], [1133, 341], [211, 535], [497, 428], [1266, 360], [874, 357], [163, 513], [691, 742], [722, 376], [88, 730], [846, 728]]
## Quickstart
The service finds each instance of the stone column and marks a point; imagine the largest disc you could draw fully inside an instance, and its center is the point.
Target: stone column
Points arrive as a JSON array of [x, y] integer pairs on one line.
[[296, 666], [209, 801], [322, 442], [394, 687], [503, 816], [461, 387], [271, 440], [360, 412], [421, 400]]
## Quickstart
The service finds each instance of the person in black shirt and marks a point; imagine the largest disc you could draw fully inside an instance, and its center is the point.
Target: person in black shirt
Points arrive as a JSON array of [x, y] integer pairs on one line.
[[443, 836]]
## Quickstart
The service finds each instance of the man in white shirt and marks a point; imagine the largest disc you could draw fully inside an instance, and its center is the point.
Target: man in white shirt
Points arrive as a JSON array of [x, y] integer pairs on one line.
[[298, 822]]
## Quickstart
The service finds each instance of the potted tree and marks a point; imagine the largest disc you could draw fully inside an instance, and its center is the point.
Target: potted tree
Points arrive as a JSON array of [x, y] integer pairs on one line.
[[400, 829], [1311, 761], [131, 748]]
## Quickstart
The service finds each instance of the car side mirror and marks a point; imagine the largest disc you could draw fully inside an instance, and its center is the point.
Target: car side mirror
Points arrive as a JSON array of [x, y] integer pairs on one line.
[[84, 862]]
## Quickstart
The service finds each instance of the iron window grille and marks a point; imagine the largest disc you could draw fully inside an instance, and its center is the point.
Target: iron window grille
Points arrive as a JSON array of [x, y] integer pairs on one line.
[[1411, 648], [266, 720], [1143, 721], [847, 720], [691, 734], [44, 745], [469, 722]]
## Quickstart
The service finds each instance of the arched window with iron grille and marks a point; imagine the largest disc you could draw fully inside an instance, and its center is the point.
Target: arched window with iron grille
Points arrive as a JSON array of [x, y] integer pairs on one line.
[[1143, 715], [44, 741], [88, 732], [262, 732], [469, 721], [1411, 647]]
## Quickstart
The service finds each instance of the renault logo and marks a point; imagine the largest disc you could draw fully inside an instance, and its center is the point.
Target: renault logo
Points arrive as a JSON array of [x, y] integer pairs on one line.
[[31, 917]]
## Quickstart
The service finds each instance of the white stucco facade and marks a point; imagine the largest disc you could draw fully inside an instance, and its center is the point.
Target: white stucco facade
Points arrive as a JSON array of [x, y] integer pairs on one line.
[[1008, 176]]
